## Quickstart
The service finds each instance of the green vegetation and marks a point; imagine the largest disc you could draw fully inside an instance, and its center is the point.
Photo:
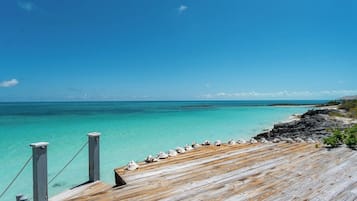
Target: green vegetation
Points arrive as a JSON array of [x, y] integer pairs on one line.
[[330, 103], [351, 137], [339, 137], [335, 140], [336, 114], [333, 102], [350, 106]]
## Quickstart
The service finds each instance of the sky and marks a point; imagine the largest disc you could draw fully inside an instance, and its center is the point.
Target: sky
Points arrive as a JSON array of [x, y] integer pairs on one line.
[[89, 50]]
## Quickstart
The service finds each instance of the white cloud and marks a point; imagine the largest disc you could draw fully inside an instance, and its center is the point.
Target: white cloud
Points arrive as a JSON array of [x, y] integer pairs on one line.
[[182, 8], [26, 5], [339, 92], [9, 83], [281, 94]]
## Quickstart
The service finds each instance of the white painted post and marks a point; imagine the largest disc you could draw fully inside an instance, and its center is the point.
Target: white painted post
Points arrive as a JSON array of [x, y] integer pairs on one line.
[[39, 168], [93, 150]]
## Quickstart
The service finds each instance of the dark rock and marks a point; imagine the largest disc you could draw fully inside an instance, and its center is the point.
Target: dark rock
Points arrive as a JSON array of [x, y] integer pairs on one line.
[[312, 126]]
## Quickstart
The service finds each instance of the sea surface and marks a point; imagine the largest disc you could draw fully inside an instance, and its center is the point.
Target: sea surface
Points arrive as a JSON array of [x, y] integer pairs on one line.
[[130, 131]]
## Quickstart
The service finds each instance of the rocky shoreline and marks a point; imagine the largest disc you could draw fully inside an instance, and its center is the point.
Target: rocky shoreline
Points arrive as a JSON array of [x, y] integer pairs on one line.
[[312, 126]]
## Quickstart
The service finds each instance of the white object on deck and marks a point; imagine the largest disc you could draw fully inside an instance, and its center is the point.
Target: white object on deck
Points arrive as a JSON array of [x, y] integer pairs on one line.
[[196, 145], [188, 147], [150, 159], [206, 143], [241, 141], [180, 150], [172, 153], [263, 140], [218, 143], [162, 155], [253, 141], [132, 166]]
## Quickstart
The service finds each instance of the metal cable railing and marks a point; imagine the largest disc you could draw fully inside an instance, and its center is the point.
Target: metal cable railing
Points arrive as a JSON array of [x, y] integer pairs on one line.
[[17, 175], [68, 163], [36, 153]]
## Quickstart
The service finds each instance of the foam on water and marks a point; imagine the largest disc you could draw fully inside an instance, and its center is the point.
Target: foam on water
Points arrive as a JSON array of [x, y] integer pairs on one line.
[[130, 131]]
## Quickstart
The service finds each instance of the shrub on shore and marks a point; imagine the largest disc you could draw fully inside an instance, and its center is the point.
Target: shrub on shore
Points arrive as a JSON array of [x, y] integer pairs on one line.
[[350, 106], [330, 103], [334, 140], [339, 137], [351, 137]]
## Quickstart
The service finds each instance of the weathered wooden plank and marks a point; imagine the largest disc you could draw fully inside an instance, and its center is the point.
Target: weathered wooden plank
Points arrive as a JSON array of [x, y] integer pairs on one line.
[[240, 172]]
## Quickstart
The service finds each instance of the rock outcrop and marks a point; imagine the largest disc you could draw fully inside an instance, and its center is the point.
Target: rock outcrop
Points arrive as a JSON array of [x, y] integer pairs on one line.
[[314, 124]]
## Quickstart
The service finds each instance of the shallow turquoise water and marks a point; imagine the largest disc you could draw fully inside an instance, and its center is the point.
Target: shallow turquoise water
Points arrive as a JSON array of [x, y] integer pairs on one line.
[[130, 130]]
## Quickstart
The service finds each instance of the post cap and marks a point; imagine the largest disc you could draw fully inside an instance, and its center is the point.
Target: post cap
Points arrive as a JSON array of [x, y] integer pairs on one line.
[[23, 199], [39, 144], [94, 134], [19, 196]]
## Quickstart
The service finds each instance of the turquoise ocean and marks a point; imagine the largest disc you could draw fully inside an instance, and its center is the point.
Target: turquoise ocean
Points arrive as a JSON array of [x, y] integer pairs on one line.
[[130, 131]]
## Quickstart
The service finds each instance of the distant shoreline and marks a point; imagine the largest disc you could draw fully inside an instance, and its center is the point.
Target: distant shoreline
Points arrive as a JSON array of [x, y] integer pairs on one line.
[[292, 105], [277, 102]]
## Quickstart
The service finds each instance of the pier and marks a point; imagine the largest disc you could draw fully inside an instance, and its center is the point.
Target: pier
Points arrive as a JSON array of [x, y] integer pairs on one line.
[[282, 171]]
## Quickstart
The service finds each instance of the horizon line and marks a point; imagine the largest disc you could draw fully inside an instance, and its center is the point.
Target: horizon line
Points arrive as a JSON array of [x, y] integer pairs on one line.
[[168, 100]]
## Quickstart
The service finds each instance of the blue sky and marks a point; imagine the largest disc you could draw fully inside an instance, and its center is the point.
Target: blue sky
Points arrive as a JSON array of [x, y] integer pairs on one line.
[[177, 50]]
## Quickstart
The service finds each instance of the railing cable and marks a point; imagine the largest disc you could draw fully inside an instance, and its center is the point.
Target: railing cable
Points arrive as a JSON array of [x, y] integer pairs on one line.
[[69, 162], [17, 175]]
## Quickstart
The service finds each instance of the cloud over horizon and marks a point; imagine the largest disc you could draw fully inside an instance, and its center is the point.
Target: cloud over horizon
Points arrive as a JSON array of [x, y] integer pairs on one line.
[[182, 8], [281, 94], [26, 5], [9, 83]]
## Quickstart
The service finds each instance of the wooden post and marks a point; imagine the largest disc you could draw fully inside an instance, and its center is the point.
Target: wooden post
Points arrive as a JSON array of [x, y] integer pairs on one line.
[[39, 168], [93, 150]]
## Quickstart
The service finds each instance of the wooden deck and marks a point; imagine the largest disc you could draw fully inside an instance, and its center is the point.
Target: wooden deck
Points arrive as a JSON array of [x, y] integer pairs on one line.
[[238, 172]]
